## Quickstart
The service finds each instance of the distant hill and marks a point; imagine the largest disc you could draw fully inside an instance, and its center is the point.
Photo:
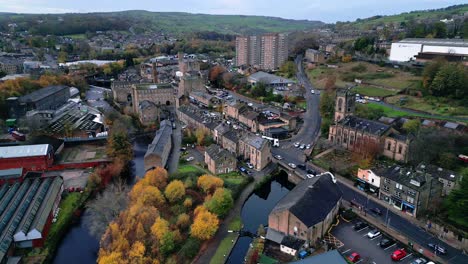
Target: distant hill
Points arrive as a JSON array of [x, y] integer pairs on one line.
[[414, 15], [141, 21]]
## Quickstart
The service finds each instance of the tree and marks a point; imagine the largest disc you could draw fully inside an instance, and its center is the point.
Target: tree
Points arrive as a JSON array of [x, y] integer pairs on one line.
[[156, 177], [327, 105], [289, 69], [167, 244], [457, 202], [137, 252], [160, 228], [439, 30], [188, 201], [106, 207], [62, 57], [183, 220], [119, 146], [412, 126], [204, 225], [221, 202], [175, 191], [209, 183], [149, 195], [190, 248]]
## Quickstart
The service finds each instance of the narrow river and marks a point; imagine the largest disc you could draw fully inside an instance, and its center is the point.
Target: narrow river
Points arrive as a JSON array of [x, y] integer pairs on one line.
[[255, 213]]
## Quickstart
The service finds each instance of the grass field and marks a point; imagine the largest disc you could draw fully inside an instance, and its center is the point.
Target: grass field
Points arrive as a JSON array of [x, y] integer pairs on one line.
[[439, 106], [189, 169], [76, 36], [226, 245], [373, 91]]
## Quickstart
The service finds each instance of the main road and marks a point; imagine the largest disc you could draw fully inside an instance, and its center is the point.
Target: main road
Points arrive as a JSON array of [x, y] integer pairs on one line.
[[310, 129]]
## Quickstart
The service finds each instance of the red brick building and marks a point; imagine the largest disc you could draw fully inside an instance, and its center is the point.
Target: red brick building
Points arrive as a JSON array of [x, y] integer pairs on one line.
[[28, 157]]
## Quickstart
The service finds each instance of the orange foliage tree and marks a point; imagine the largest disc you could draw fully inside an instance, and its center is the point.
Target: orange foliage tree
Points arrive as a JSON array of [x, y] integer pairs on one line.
[[209, 183], [204, 225], [175, 191]]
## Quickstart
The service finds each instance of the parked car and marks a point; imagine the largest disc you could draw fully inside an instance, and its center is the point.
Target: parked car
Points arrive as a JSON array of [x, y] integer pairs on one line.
[[399, 254], [242, 169], [354, 257], [373, 233], [437, 249], [311, 171], [190, 158], [250, 165], [419, 261], [377, 211], [310, 176], [278, 157], [183, 149], [301, 166], [308, 146], [302, 146], [292, 165], [386, 242], [360, 225], [312, 91], [297, 144]]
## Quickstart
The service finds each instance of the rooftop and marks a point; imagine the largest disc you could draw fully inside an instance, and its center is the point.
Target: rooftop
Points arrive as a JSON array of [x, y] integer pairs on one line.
[[332, 256], [311, 200], [163, 135], [438, 172], [292, 242], [255, 141], [151, 86], [218, 154], [11, 174], [415, 180], [43, 93], [24, 151], [437, 42], [369, 126], [269, 78]]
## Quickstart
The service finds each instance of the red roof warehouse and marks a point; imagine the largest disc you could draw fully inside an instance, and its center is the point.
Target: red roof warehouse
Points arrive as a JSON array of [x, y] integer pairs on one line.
[[28, 157]]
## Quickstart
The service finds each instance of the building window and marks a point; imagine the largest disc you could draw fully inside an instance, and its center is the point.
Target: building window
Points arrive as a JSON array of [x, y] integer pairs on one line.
[[449, 184], [410, 199], [411, 192], [387, 181], [389, 146], [398, 194], [399, 186], [400, 149], [372, 180], [386, 188]]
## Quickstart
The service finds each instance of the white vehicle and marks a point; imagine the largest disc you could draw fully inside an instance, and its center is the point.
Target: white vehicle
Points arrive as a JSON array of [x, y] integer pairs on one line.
[[297, 144], [292, 165], [278, 157], [275, 141], [373, 233], [250, 165], [312, 91], [302, 146], [308, 146], [190, 159], [310, 176], [250, 104]]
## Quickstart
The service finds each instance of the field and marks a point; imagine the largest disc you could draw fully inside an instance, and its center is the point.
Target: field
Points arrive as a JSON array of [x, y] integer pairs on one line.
[[438, 106], [76, 36], [389, 79], [373, 91]]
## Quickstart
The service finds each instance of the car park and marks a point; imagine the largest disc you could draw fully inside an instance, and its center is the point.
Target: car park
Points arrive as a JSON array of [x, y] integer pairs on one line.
[[437, 248], [360, 225], [399, 254], [373, 234], [419, 261], [292, 165], [354, 257], [278, 157], [386, 242]]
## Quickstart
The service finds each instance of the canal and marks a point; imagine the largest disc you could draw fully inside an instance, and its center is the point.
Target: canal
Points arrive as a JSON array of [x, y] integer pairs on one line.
[[256, 210], [79, 246]]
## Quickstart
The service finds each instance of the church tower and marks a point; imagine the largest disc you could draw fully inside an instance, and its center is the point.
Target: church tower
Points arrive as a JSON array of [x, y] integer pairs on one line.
[[345, 104]]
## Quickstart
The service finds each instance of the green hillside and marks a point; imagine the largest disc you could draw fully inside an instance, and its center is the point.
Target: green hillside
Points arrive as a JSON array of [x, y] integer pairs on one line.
[[414, 15], [140, 21]]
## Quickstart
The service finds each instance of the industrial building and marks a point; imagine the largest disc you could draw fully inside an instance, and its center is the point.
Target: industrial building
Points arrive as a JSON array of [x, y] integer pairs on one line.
[[159, 150], [30, 157], [414, 49], [27, 209]]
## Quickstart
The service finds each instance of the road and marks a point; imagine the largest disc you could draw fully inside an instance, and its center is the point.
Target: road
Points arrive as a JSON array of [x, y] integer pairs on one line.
[[311, 126]]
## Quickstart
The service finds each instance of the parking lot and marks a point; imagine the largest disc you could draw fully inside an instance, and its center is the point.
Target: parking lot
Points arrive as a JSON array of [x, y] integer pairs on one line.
[[351, 241]]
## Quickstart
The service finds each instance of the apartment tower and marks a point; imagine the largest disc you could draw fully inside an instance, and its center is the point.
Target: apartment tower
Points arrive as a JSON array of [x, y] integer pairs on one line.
[[266, 52]]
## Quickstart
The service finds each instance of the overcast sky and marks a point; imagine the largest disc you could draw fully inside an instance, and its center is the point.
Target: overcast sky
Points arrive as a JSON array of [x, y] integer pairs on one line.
[[324, 10]]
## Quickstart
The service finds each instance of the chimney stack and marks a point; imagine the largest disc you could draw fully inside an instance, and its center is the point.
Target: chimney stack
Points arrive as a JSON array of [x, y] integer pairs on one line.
[[155, 72]]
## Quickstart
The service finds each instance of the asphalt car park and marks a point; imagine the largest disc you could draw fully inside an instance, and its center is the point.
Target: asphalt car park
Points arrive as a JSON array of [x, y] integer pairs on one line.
[[369, 249]]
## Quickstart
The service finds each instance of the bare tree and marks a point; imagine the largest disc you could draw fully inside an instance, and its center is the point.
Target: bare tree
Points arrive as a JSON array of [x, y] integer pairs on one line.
[[106, 207]]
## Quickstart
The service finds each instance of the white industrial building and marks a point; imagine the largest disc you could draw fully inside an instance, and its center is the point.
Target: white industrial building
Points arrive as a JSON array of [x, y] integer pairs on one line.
[[410, 49]]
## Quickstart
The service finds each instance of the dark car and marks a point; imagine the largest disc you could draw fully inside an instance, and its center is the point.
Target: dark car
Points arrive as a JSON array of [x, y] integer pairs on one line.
[[310, 171], [242, 169], [301, 166], [360, 225], [386, 242], [437, 249], [377, 211]]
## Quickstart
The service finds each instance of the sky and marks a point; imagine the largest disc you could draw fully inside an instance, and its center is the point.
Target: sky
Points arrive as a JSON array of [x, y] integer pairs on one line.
[[323, 10]]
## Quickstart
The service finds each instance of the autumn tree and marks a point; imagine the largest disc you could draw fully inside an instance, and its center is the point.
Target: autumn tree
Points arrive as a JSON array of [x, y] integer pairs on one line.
[[119, 146], [137, 252], [209, 183], [188, 201], [156, 177], [183, 220], [150, 195], [204, 225], [175, 191], [216, 72], [221, 202]]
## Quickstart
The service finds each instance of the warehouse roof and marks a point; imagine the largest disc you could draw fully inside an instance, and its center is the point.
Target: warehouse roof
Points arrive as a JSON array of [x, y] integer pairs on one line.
[[437, 42], [268, 78], [162, 137], [42, 93], [24, 151], [11, 174]]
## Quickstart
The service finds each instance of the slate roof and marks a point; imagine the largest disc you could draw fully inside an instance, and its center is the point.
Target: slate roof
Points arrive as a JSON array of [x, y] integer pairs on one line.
[[163, 135], [255, 141], [146, 104], [399, 137], [274, 235], [222, 128], [436, 171], [311, 200], [42, 93], [251, 115], [218, 154], [404, 176], [365, 125], [232, 136], [332, 256], [24, 151]]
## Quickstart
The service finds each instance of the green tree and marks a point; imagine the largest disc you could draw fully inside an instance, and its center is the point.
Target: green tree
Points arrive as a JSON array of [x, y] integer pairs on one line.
[[412, 126], [289, 69], [327, 105], [190, 248], [62, 57], [167, 244], [221, 202], [119, 146], [457, 202], [439, 30]]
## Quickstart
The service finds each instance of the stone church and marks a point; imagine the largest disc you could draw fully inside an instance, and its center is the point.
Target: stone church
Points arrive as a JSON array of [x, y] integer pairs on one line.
[[356, 134]]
